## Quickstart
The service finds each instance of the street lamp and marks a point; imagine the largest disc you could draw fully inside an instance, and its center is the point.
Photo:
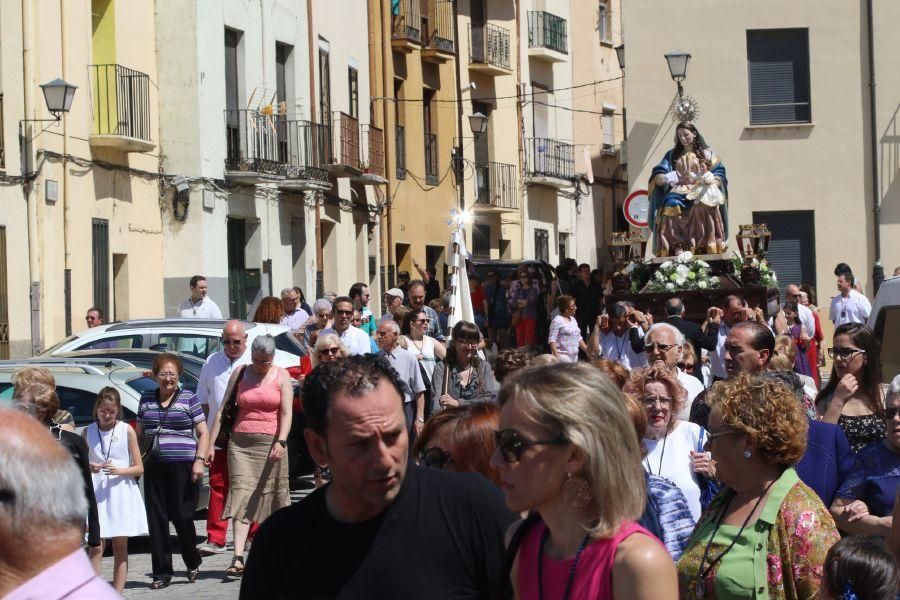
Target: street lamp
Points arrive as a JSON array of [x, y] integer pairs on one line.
[[478, 124], [678, 64], [620, 55], [58, 96]]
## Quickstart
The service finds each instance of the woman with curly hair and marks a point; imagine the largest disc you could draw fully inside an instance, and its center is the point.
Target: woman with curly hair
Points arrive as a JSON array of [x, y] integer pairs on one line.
[[674, 447], [509, 361], [853, 397], [766, 534]]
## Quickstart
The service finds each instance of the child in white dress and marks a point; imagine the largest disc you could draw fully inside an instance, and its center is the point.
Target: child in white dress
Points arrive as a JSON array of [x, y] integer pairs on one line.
[[115, 463]]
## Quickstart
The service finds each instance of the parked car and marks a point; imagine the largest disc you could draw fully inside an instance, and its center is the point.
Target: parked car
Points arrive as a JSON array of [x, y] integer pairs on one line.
[[885, 321], [197, 337], [123, 357]]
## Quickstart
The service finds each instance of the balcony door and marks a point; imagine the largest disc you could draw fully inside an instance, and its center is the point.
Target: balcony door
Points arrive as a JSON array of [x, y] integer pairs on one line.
[[479, 47], [232, 101]]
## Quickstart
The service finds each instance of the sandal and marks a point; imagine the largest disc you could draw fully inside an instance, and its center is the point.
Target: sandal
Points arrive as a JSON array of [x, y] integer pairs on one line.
[[159, 584], [192, 574], [234, 570]]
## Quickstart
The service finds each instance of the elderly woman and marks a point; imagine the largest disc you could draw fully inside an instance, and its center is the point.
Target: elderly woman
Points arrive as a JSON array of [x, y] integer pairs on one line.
[[566, 449], [864, 504], [469, 379], [41, 402], [258, 477], [321, 319], [853, 398], [172, 429], [460, 439], [766, 534], [674, 447], [28, 375], [425, 348]]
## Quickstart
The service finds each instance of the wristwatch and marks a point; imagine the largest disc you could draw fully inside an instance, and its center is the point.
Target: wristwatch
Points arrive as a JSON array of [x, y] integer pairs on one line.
[[283, 443]]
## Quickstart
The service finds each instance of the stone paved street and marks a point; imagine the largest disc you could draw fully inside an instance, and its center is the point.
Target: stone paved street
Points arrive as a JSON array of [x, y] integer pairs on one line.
[[209, 584]]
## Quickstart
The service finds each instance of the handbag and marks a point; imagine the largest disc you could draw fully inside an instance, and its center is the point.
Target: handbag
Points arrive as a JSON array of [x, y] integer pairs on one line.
[[229, 414], [150, 444]]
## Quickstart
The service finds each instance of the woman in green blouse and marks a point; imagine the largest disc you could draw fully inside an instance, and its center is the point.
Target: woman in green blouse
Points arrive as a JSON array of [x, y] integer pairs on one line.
[[766, 534]]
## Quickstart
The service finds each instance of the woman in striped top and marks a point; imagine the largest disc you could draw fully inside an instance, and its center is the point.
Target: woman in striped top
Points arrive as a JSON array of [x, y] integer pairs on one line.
[[173, 415]]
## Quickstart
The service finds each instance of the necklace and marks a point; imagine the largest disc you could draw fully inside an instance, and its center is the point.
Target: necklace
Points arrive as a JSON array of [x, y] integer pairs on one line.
[[421, 348], [194, 306], [699, 587], [661, 455], [571, 578], [112, 438]]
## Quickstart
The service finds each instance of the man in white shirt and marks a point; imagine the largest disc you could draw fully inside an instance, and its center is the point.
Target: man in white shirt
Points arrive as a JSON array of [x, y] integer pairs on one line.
[[352, 337], [617, 343], [806, 316], [849, 306], [664, 345], [294, 316], [199, 305], [214, 377]]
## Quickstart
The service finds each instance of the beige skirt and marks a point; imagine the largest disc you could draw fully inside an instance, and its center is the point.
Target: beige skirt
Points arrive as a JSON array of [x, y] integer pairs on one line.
[[256, 487]]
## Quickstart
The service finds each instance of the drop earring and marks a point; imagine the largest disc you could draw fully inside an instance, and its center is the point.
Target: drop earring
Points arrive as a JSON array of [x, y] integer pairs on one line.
[[577, 491]]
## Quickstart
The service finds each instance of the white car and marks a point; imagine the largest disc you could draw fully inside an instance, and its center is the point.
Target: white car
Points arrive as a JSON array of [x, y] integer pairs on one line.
[[199, 337], [885, 321]]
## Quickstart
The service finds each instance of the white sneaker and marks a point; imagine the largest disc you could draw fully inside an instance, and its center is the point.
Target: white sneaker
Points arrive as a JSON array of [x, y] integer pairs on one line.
[[209, 549]]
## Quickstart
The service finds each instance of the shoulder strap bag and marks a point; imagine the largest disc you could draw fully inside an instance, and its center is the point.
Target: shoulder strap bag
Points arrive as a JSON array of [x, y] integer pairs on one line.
[[150, 444], [229, 413]]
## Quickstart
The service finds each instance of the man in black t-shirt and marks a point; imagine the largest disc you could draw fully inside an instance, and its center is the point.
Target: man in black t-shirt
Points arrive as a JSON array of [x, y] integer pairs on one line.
[[383, 528]]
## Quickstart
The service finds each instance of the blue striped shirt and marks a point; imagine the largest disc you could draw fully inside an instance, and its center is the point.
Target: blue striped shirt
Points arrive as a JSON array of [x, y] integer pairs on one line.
[[667, 503], [176, 441]]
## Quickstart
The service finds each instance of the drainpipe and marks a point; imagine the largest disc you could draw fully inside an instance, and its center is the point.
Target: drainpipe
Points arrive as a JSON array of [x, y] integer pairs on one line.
[[34, 266], [459, 109], [65, 186], [387, 248], [520, 133], [313, 46], [877, 268]]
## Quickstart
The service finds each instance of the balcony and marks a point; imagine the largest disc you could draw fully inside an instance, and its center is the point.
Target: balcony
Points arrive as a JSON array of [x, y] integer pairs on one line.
[[489, 49], [495, 187], [302, 147], [431, 159], [549, 162], [120, 102], [400, 145], [254, 152], [406, 23], [344, 156], [437, 31], [548, 38], [372, 159]]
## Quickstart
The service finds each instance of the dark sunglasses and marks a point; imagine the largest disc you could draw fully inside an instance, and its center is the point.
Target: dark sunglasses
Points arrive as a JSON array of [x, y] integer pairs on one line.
[[231, 342], [685, 367], [436, 458], [329, 351], [844, 353], [511, 445]]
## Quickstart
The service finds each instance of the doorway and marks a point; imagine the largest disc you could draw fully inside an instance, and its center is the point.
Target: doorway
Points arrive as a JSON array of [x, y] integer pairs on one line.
[[792, 249]]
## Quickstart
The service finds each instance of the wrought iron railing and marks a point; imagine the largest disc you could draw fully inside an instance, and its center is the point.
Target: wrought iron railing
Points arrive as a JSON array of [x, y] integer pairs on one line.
[[373, 149], [489, 44], [431, 159], [495, 185], [121, 101], [546, 30], [406, 20], [252, 142], [345, 140], [400, 145], [549, 158], [439, 34], [303, 149]]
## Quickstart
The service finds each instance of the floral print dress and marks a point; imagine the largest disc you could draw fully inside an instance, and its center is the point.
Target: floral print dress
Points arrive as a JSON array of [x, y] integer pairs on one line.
[[779, 556]]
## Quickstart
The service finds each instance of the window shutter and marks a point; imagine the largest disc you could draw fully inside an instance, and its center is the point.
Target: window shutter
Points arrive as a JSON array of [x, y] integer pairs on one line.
[[792, 249], [231, 77], [778, 68]]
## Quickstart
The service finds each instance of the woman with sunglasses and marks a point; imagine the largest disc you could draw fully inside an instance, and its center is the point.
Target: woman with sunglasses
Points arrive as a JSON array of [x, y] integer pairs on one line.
[[767, 533], [424, 347], [460, 439], [566, 449], [674, 447], [864, 504], [257, 468], [853, 398], [470, 379], [688, 362]]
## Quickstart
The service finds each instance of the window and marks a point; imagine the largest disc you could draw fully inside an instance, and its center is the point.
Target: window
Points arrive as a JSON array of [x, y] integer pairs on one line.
[[481, 240], [198, 345], [778, 71], [144, 384], [792, 251], [324, 88], [127, 341], [100, 242], [563, 246], [232, 97], [353, 87], [608, 127], [603, 22], [282, 55], [81, 404], [542, 245]]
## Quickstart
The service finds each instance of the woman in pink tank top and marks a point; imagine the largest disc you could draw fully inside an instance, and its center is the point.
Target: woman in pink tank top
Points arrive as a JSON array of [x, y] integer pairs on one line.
[[566, 450]]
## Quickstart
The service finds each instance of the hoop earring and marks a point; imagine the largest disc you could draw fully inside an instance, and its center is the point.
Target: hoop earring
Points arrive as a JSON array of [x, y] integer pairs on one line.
[[577, 491]]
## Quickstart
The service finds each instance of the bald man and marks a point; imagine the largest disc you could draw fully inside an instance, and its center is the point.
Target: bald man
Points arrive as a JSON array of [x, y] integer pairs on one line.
[[42, 508]]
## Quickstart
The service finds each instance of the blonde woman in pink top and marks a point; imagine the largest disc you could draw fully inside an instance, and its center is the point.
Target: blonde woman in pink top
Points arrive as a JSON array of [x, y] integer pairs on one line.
[[257, 465], [566, 451]]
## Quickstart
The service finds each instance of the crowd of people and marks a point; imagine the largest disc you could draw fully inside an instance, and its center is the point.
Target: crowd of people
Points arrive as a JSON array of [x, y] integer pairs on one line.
[[618, 457]]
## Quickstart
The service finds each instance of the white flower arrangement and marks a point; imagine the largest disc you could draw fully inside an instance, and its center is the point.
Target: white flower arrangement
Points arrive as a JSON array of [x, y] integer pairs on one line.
[[767, 276], [684, 272]]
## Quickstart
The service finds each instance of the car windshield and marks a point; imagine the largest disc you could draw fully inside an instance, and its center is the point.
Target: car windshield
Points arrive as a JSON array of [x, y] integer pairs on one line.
[[286, 342], [58, 345]]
